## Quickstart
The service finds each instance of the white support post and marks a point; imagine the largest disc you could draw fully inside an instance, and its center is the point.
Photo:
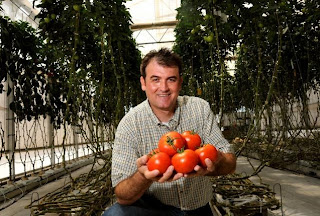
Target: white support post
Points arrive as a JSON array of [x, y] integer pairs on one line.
[[101, 140], [10, 129], [76, 131], [91, 129], [50, 134]]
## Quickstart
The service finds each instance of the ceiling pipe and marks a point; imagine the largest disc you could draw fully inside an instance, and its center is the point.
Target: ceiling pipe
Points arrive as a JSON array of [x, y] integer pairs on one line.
[[154, 25]]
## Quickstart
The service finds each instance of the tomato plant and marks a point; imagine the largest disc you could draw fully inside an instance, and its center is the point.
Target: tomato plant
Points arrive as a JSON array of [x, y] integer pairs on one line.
[[207, 151], [171, 142], [158, 161], [184, 161], [76, 7], [208, 38], [193, 140]]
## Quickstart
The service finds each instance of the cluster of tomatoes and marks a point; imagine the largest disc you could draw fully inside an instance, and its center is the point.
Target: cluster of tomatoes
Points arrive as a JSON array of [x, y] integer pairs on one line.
[[184, 151]]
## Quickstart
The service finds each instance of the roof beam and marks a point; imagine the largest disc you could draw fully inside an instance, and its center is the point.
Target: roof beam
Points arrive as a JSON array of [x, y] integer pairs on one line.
[[154, 25]]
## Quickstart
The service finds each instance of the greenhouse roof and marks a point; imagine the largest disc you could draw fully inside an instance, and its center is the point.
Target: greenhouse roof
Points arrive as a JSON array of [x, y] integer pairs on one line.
[[153, 21]]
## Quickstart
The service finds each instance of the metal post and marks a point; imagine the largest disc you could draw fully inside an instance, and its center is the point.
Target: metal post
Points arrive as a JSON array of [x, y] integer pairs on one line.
[[10, 132], [101, 141], [76, 131], [51, 141], [91, 129]]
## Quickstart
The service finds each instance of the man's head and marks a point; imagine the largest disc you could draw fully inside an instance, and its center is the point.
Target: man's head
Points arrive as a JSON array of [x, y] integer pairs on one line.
[[161, 80], [164, 57]]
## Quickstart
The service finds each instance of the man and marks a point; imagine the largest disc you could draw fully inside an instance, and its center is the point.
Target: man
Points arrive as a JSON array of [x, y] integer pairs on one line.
[[142, 192]]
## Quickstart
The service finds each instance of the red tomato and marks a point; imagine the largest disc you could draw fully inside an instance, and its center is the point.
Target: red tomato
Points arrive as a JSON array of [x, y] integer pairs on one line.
[[207, 151], [193, 140], [171, 142], [185, 161], [158, 160]]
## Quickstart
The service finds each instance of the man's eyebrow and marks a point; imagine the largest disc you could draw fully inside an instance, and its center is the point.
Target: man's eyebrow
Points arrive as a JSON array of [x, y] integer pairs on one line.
[[172, 77], [154, 76], [175, 77]]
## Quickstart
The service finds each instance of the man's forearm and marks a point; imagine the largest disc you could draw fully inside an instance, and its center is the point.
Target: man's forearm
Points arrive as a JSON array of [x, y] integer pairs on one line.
[[131, 189], [226, 165]]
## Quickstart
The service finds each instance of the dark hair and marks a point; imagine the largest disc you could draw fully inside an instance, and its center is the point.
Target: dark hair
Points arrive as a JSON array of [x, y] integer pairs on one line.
[[164, 57]]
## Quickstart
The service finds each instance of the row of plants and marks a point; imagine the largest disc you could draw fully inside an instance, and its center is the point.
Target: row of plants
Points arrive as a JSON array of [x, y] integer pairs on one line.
[[80, 67], [275, 46], [81, 62]]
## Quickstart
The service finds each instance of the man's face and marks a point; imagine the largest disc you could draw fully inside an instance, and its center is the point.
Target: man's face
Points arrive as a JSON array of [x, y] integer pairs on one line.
[[162, 86]]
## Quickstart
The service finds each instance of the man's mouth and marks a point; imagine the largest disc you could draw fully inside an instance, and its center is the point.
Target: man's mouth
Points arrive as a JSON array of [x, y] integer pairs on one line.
[[163, 95]]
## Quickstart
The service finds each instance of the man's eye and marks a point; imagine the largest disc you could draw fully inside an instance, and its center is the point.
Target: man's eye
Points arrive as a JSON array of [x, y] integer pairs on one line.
[[154, 79], [172, 79]]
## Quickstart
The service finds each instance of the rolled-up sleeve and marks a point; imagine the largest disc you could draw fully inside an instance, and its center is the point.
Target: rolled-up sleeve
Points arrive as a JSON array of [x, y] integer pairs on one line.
[[124, 154]]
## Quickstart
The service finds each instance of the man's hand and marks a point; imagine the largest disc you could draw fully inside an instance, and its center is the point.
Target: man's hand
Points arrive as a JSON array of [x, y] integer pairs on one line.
[[225, 164], [131, 189], [153, 175], [202, 171]]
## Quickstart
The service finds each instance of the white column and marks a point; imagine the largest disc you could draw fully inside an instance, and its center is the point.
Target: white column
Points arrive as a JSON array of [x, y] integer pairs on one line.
[[50, 134], [9, 128], [76, 131]]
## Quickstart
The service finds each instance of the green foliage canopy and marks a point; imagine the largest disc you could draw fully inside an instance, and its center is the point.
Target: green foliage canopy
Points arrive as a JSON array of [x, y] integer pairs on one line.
[[82, 62], [275, 46]]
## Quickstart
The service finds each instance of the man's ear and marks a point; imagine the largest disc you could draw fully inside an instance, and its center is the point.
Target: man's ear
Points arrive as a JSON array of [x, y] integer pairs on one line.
[[181, 80], [143, 83]]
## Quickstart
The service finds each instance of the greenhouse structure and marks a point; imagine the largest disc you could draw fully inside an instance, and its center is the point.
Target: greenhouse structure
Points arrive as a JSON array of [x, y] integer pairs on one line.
[[72, 70]]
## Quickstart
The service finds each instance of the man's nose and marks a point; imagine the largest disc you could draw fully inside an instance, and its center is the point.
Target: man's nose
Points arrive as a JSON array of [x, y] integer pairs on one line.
[[163, 85]]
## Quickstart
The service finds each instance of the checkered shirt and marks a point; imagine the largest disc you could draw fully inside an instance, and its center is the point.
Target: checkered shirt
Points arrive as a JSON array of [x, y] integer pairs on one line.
[[139, 132]]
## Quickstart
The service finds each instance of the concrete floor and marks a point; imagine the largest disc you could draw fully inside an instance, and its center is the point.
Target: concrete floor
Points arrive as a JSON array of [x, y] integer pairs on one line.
[[300, 193], [18, 208]]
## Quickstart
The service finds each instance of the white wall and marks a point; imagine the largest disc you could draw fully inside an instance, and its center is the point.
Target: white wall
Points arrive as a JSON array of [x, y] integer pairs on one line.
[[20, 10]]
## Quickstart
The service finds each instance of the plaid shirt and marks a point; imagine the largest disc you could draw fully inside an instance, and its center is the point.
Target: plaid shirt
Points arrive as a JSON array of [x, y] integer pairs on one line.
[[139, 132]]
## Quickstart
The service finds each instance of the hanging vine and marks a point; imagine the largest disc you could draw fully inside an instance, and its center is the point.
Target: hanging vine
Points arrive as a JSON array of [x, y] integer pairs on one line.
[[274, 48]]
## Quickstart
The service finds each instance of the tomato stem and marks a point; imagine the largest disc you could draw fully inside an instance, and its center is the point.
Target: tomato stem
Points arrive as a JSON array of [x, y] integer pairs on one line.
[[180, 150]]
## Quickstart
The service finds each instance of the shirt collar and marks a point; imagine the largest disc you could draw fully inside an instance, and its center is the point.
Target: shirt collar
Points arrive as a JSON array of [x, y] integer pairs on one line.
[[174, 121]]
